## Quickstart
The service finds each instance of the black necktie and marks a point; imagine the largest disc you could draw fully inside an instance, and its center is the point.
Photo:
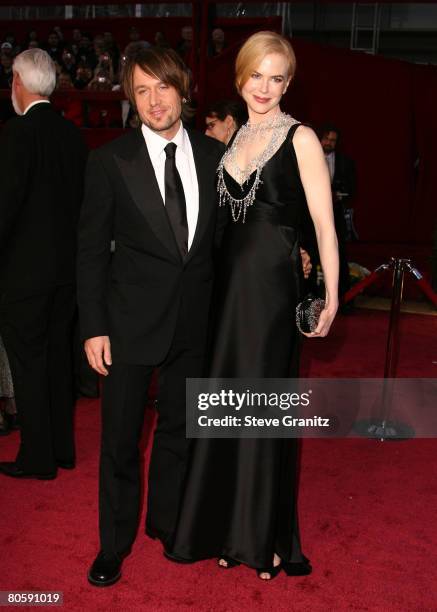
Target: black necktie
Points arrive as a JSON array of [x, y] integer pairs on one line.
[[175, 200]]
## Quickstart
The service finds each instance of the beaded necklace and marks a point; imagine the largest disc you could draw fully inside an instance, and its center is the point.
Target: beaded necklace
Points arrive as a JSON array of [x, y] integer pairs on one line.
[[279, 125]]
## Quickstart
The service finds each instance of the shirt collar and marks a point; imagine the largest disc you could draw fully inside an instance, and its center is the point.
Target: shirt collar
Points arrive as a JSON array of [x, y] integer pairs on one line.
[[34, 104], [156, 143]]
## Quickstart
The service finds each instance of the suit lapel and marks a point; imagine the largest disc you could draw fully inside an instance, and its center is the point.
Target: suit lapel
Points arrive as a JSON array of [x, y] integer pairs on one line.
[[140, 179], [205, 178]]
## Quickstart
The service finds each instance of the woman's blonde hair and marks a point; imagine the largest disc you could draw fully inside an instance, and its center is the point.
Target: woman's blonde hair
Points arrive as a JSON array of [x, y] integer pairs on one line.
[[254, 51]]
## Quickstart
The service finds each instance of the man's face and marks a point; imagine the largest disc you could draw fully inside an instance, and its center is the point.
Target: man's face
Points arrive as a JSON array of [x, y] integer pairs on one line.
[[53, 40], [158, 104], [218, 35], [187, 33], [64, 81], [329, 141], [83, 73]]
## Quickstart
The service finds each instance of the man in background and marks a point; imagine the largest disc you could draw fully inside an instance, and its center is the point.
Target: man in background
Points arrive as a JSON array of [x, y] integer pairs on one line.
[[41, 177], [343, 182]]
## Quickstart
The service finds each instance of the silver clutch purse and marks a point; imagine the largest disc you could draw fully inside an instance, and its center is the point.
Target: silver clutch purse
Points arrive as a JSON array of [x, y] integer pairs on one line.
[[308, 313]]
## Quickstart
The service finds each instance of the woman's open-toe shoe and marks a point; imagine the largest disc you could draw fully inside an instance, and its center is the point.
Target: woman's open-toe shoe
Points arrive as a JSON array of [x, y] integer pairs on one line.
[[272, 571], [229, 562]]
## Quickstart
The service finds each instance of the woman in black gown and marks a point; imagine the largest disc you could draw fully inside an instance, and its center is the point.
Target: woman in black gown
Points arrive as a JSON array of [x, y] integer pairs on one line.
[[240, 497]]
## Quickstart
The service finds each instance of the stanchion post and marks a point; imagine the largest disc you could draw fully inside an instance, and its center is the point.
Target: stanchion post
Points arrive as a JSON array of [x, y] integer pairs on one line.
[[381, 428], [392, 351]]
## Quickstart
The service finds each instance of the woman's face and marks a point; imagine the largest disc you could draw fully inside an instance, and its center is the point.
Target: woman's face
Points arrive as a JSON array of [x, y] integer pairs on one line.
[[265, 86], [220, 130]]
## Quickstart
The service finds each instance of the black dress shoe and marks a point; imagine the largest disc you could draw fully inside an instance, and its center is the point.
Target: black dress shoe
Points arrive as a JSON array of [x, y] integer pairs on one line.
[[10, 468], [12, 420], [105, 570], [66, 465]]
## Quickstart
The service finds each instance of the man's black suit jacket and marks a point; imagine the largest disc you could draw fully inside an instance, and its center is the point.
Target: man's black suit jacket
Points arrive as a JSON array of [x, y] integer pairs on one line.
[[138, 294], [41, 184], [344, 179]]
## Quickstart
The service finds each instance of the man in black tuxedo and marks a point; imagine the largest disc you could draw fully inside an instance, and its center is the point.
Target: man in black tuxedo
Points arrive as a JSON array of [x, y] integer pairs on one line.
[[41, 178], [343, 182], [152, 191]]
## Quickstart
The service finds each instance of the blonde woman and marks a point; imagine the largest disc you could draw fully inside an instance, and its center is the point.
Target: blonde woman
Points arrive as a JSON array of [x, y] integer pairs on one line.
[[240, 496]]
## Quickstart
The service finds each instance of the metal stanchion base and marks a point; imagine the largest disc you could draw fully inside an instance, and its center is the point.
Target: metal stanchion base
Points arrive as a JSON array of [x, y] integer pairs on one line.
[[383, 430]]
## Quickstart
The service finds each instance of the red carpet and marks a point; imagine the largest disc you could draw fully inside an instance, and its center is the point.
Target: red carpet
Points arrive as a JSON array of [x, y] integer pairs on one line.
[[367, 513]]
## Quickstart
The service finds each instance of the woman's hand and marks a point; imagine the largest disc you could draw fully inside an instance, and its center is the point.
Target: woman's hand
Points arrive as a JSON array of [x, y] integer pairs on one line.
[[326, 319]]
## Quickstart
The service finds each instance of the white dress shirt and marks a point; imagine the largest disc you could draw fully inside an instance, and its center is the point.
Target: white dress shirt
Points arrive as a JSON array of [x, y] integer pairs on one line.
[[186, 168], [330, 160]]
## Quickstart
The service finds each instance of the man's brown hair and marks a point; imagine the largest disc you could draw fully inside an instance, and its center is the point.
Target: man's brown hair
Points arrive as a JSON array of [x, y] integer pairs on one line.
[[160, 63]]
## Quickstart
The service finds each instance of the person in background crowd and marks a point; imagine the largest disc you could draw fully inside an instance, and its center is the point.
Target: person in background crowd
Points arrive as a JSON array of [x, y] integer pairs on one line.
[[6, 70], [8, 411], [76, 36], [84, 50], [54, 46], [105, 65], [32, 36], [217, 43], [97, 51], [134, 35], [15, 48], [6, 109], [184, 46], [68, 62], [84, 75], [113, 50], [58, 31], [103, 113], [64, 81], [224, 118], [69, 107], [161, 41], [343, 183], [41, 177]]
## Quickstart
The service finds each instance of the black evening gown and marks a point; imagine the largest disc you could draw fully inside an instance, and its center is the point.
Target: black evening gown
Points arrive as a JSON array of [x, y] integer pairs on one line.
[[240, 494]]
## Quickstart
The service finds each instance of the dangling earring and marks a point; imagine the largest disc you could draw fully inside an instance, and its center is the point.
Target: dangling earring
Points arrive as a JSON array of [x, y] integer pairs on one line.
[[184, 100]]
